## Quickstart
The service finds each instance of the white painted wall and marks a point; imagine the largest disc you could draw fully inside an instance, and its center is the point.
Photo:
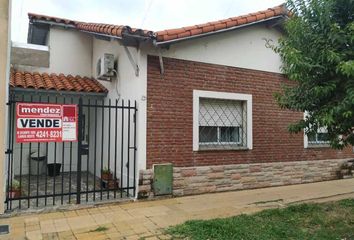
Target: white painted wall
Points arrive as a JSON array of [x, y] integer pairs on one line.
[[70, 53], [127, 86], [244, 48]]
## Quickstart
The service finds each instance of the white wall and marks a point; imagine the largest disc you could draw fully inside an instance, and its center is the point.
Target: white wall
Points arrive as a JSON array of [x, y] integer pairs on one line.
[[127, 86], [70, 53], [244, 48]]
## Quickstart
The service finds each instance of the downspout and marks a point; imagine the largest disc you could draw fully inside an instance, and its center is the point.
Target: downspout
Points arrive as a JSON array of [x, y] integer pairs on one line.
[[159, 50]]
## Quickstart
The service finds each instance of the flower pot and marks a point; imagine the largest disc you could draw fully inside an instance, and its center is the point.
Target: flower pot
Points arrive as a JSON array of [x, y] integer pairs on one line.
[[113, 184], [53, 169], [106, 176], [14, 193]]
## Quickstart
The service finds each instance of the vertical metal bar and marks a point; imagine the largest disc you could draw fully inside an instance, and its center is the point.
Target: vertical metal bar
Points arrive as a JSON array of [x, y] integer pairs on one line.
[[46, 175], [21, 162], [11, 136], [122, 151], [62, 167], [79, 155], [12, 144], [95, 155], [88, 151], [109, 142], [38, 150], [115, 147], [71, 161], [135, 110], [29, 170], [55, 161], [8, 156], [8, 196], [128, 150], [102, 144]]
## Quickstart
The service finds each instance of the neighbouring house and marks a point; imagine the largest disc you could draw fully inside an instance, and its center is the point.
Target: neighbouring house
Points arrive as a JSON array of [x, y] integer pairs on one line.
[[175, 112]]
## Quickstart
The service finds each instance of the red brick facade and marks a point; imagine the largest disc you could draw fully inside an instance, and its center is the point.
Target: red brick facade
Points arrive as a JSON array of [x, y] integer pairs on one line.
[[170, 116]]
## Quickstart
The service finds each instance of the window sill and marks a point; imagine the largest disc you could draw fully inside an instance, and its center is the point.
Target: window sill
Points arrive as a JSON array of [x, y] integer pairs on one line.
[[222, 148], [318, 146]]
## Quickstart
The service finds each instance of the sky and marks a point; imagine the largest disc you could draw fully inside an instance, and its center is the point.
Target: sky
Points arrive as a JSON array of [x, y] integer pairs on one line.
[[146, 14]]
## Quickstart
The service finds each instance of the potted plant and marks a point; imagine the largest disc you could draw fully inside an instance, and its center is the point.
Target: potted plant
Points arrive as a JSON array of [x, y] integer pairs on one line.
[[15, 189], [106, 174]]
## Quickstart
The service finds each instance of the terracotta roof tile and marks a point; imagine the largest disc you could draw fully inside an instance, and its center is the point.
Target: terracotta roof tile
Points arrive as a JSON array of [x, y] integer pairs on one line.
[[222, 24], [168, 34], [102, 28], [231, 24], [56, 82]]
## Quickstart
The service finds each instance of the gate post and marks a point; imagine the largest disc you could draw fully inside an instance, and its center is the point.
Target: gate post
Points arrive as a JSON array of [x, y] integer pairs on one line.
[[79, 154]]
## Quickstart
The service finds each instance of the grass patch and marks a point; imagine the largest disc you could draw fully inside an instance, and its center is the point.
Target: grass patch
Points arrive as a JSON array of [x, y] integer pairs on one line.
[[100, 229], [325, 221]]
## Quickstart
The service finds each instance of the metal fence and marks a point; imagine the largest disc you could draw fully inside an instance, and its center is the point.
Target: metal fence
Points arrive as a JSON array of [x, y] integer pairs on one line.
[[100, 165]]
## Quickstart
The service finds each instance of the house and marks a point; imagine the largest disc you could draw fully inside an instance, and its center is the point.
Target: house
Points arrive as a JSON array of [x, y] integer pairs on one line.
[[176, 112]]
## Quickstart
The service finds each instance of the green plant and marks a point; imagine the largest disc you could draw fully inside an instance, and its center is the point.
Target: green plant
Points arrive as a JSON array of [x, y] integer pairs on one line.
[[100, 229], [106, 170], [15, 185], [317, 54]]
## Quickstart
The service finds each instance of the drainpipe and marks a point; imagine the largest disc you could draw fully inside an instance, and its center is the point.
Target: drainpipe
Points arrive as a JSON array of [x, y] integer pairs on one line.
[[159, 50]]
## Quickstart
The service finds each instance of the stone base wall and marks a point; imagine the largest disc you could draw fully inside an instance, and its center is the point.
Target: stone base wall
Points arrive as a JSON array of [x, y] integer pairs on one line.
[[207, 179]]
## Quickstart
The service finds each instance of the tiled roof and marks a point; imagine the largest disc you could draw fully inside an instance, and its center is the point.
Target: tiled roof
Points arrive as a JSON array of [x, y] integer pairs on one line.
[[107, 29], [169, 34], [55, 82], [180, 33]]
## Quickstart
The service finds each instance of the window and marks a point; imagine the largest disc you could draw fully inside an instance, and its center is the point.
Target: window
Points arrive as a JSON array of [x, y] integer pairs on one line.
[[321, 138], [222, 121], [38, 34], [229, 135]]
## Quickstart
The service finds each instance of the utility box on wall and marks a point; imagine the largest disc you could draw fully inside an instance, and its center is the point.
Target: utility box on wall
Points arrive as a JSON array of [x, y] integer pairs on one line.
[[162, 181]]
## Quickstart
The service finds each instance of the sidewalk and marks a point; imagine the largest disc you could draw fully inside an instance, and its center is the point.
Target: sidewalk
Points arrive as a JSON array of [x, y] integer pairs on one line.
[[146, 219]]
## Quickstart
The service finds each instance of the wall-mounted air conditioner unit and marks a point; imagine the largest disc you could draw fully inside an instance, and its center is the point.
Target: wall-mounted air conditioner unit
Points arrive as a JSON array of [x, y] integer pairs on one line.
[[105, 67]]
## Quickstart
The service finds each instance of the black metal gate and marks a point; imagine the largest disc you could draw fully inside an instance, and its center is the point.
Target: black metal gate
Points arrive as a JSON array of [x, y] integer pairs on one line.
[[100, 166]]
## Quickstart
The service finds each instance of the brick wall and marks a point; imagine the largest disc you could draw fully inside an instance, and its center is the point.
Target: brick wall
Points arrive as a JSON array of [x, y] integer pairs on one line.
[[170, 117]]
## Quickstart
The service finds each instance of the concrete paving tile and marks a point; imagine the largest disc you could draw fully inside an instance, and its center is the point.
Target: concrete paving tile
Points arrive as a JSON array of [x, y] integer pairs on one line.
[[151, 238], [31, 220], [164, 237], [50, 236], [34, 235], [70, 214], [81, 222], [32, 228], [100, 218], [132, 237], [115, 235], [82, 212]]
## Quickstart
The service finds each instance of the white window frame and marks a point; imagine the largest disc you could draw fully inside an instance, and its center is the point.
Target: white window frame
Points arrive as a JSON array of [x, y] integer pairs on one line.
[[308, 144], [197, 94]]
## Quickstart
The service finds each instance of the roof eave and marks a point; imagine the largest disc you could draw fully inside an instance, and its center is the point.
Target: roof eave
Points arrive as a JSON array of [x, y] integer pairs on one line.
[[56, 92], [65, 25], [169, 42]]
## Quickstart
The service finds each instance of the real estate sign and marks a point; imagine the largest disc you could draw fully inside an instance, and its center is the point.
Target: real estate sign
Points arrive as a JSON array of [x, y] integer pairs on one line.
[[38, 122]]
